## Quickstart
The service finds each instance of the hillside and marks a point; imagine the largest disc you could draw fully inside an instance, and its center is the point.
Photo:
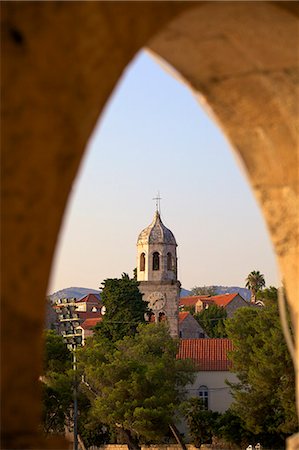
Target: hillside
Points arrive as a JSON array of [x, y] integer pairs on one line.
[[245, 293], [78, 292], [72, 292]]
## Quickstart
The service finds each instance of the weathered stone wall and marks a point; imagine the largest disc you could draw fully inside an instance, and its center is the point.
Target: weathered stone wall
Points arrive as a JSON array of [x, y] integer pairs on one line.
[[171, 292], [61, 61]]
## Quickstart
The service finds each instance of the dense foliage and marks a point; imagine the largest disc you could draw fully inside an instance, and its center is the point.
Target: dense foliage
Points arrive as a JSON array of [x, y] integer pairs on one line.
[[265, 395], [125, 308], [267, 295], [138, 384], [210, 427], [202, 423], [58, 388], [57, 384], [212, 320]]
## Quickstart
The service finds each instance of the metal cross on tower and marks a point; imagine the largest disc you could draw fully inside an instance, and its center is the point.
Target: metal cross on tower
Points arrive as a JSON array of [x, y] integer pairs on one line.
[[157, 199]]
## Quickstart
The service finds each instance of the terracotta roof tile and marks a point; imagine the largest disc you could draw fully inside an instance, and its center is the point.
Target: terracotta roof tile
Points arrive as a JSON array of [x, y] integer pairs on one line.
[[83, 315], [219, 300], [224, 299], [90, 298], [90, 323], [208, 354], [192, 300]]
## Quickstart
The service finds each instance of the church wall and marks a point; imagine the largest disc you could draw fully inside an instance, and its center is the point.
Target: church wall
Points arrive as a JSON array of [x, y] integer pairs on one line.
[[219, 395]]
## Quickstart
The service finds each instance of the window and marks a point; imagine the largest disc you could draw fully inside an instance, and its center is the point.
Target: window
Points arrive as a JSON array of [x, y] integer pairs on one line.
[[169, 261], [156, 261], [142, 262], [204, 396], [162, 317]]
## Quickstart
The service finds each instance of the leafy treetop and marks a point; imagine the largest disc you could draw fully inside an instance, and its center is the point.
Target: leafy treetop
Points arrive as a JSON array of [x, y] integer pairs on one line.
[[138, 383], [125, 308], [265, 394], [212, 321]]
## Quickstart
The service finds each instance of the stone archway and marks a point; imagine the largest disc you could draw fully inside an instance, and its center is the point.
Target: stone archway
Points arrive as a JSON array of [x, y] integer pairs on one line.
[[61, 62]]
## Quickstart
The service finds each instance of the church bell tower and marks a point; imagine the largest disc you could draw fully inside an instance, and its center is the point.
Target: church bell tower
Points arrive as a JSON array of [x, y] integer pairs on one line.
[[157, 272]]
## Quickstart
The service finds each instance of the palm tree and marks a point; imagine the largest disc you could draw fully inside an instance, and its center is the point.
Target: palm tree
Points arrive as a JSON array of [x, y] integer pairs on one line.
[[255, 282]]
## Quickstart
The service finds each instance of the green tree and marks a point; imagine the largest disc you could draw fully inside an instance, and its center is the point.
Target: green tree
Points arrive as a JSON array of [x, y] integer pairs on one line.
[[265, 394], [57, 385], [125, 308], [138, 384], [255, 281], [203, 290], [202, 424], [57, 390], [230, 430], [57, 357], [212, 320], [268, 295]]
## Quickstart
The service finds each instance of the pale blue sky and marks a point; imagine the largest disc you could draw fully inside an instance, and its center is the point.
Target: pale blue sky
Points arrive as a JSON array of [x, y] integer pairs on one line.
[[155, 136]]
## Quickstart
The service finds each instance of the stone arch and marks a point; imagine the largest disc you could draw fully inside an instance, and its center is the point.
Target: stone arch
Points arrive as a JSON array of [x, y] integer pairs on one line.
[[238, 58]]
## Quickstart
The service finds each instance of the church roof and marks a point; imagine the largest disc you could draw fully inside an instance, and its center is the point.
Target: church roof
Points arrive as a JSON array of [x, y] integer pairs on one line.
[[156, 233], [90, 298], [207, 354]]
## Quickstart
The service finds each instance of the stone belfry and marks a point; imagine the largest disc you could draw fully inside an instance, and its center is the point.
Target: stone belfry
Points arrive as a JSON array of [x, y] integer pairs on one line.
[[157, 272]]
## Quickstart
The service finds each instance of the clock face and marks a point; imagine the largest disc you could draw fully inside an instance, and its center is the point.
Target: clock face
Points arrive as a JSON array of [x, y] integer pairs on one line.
[[156, 301]]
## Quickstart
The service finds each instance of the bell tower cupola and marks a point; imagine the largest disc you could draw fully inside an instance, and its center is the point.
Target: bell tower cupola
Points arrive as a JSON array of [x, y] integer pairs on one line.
[[156, 253]]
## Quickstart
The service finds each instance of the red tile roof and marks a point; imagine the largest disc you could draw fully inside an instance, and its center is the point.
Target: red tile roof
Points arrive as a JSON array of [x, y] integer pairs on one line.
[[183, 315], [83, 315], [90, 323], [219, 300], [192, 300], [208, 354], [90, 298], [224, 299]]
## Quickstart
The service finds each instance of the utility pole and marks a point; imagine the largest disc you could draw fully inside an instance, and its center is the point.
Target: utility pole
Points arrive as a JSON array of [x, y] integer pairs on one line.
[[69, 321]]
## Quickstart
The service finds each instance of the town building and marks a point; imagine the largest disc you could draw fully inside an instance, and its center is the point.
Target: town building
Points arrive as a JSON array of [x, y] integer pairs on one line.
[[87, 327], [210, 357], [230, 302]]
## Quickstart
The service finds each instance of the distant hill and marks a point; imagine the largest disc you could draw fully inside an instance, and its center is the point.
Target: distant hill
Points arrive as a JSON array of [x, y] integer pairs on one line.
[[185, 292], [72, 292], [78, 292], [245, 293]]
